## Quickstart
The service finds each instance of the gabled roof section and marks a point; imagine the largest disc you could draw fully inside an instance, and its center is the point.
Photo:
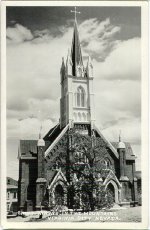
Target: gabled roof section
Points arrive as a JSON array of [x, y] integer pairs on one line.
[[11, 181], [110, 176], [51, 132], [76, 50], [28, 147], [52, 135], [56, 140], [111, 147], [58, 175]]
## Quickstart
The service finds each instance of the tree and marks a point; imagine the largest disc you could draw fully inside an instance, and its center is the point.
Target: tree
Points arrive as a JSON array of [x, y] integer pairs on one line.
[[82, 156], [94, 149]]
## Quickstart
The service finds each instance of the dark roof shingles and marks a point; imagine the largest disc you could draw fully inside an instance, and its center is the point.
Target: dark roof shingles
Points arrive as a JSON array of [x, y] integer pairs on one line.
[[27, 147]]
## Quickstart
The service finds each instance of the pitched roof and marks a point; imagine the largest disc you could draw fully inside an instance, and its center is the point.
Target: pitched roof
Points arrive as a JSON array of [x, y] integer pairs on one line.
[[76, 50], [114, 150], [11, 181], [52, 134], [28, 147], [58, 137], [129, 152]]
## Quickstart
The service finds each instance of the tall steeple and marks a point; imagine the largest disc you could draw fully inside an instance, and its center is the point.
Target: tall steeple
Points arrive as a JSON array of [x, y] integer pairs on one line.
[[76, 53], [77, 95]]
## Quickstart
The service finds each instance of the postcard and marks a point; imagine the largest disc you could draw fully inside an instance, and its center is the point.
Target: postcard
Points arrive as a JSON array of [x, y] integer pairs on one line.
[[74, 114]]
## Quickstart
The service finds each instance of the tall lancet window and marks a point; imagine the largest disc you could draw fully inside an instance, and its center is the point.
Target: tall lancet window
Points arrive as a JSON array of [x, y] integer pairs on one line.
[[80, 97]]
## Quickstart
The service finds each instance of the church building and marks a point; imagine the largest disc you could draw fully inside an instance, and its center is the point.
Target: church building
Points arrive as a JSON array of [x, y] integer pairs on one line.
[[39, 176]]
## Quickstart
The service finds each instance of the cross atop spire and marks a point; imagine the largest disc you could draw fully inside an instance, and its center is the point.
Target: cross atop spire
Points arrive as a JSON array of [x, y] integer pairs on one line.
[[75, 13], [77, 63]]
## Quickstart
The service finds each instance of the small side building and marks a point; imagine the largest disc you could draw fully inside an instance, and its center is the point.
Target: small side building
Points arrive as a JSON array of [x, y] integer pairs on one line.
[[12, 195]]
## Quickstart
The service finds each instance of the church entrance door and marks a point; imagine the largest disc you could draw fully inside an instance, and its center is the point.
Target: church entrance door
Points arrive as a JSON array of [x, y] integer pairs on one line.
[[59, 195], [111, 191]]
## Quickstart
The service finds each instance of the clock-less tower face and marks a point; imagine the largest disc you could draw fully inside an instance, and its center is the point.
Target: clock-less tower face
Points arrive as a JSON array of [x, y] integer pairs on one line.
[[77, 96]]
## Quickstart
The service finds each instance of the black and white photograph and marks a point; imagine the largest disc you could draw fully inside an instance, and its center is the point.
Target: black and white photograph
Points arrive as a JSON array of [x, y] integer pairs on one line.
[[73, 112]]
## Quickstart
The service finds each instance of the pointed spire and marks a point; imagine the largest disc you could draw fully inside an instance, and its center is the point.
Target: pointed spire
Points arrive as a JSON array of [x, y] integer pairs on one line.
[[63, 69], [69, 64], [76, 51], [63, 63], [89, 68]]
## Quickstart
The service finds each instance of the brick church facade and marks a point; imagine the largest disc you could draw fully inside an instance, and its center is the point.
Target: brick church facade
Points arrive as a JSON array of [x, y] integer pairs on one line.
[[39, 174]]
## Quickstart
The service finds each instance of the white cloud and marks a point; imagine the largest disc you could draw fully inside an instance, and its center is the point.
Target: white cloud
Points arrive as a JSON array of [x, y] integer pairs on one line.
[[130, 129], [117, 83], [28, 128], [112, 32], [98, 37], [18, 34], [33, 79], [92, 28], [124, 62], [130, 132], [117, 99]]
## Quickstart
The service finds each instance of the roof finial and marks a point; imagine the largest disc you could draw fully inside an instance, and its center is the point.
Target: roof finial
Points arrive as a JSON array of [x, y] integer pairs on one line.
[[41, 141], [40, 135], [121, 145], [119, 135], [75, 13]]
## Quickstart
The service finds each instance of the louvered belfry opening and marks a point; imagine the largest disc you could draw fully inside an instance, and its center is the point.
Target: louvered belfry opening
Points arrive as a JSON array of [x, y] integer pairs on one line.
[[76, 51]]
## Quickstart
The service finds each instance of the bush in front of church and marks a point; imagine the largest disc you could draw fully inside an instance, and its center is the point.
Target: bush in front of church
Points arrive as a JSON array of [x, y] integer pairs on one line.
[[86, 201], [104, 198]]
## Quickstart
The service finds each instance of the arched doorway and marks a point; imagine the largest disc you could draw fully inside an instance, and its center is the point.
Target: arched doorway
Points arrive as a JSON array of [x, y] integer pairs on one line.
[[113, 190], [59, 195]]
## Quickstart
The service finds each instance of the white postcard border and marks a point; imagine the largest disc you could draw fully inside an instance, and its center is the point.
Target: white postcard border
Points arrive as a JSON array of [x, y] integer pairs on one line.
[[144, 126]]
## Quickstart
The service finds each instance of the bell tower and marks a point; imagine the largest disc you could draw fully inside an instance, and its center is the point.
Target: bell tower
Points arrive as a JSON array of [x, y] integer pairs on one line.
[[77, 95]]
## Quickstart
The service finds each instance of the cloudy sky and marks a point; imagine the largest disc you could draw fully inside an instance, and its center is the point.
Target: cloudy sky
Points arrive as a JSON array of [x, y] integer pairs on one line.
[[38, 38]]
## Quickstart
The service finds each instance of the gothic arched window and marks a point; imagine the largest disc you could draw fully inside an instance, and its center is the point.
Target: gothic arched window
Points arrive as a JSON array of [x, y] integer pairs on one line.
[[80, 97], [106, 163]]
